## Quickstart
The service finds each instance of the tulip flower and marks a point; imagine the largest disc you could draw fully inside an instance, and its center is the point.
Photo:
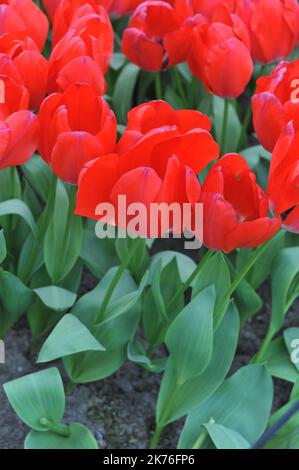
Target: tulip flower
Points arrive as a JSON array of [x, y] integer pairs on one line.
[[18, 127], [51, 7], [24, 16], [83, 54], [69, 11], [220, 54], [157, 37], [124, 7], [235, 208], [160, 167], [276, 102], [207, 8], [273, 27], [76, 126], [26, 57], [283, 185]]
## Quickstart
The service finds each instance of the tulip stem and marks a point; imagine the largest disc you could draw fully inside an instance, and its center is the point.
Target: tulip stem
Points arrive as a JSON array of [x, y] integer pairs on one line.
[[224, 127], [156, 437], [179, 85], [124, 264], [190, 279], [262, 351], [238, 279], [245, 125], [158, 86]]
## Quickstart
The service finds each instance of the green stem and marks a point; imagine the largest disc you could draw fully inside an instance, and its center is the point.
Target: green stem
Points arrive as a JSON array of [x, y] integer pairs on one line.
[[261, 354], [60, 429], [124, 264], [158, 86], [202, 436], [156, 437], [238, 279], [70, 387], [190, 279], [179, 85], [11, 191], [43, 225], [245, 125], [224, 127]]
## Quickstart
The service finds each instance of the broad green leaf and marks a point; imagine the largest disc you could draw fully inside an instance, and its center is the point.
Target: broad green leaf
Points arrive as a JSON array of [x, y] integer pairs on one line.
[[56, 298], [137, 354], [63, 237], [185, 264], [225, 438], [18, 207], [291, 339], [98, 255], [15, 299], [117, 61], [175, 400], [190, 337], [279, 362], [41, 319], [242, 403], [38, 173], [288, 436], [80, 438], [38, 395], [123, 91], [233, 124], [2, 246], [285, 285], [78, 339], [253, 155]]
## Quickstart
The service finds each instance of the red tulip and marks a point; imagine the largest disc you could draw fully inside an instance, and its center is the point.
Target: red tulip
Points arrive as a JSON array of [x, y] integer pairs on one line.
[[160, 167], [220, 54], [273, 27], [123, 7], [18, 127], [235, 208], [69, 11], [51, 7], [27, 58], [276, 102], [23, 16], [83, 54], [283, 185], [203, 7], [76, 126], [156, 37]]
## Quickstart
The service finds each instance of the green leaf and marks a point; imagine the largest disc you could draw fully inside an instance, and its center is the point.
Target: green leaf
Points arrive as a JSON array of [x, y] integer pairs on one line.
[[175, 400], [18, 207], [78, 339], [2, 247], [190, 336], [38, 395], [285, 285], [38, 173], [291, 338], [63, 237], [123, 91], [225, 438], [98, 255], [253, 155], [279, 362], [137, 354], [56, 298], [15, 299], [80, 438], [242, 403], [117, 61], [186, 265], [233, 124]]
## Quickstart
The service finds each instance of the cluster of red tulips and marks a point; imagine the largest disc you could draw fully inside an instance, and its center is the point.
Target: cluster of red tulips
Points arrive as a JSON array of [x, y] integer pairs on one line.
[[161, 150]]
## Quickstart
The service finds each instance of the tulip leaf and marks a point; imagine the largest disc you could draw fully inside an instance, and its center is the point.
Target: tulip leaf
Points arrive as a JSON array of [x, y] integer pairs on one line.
[[56, 298], [38, 395], [98, 255], [225, 438], [234, 126], [38, 173], [242, 403], [185, 264], [18, 207], [78, 339], [80, 438], [2, 246], [123, 91], [176, 400], [189, 338], [279, 362], [137, 354]]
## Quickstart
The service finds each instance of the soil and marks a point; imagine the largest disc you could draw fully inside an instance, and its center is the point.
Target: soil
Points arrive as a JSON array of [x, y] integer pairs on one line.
[[120, 410]]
